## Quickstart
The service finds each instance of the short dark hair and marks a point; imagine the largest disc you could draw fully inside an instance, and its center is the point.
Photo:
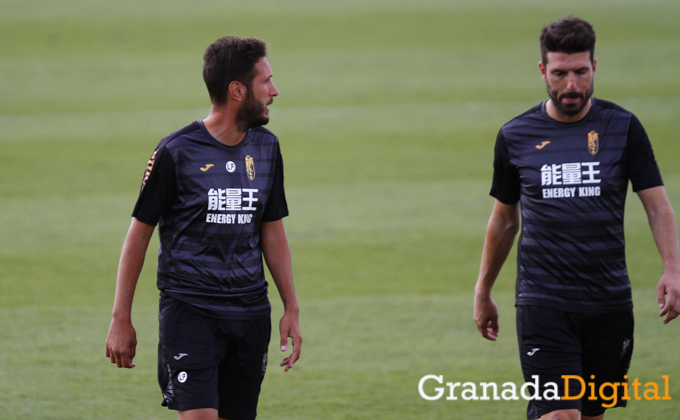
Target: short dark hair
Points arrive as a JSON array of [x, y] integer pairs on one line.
[[230, 59], [568, 35]]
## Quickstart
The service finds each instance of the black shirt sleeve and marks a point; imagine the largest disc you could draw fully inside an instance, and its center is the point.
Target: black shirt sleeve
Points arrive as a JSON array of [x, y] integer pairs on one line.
[[506, 184], [159, 188], [277, 207], [641, 166]]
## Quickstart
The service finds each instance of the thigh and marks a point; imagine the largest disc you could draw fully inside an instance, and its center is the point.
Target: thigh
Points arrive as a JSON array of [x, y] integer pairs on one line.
[[188, 357], [243, 367], [549, 346], [607, 352]]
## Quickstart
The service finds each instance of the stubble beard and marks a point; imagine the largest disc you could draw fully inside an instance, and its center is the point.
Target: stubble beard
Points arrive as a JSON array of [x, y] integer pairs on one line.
[[251, 114], [570, 109]]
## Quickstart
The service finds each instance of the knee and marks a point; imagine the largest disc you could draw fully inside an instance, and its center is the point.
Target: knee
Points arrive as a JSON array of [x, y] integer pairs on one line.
[[562, 415]]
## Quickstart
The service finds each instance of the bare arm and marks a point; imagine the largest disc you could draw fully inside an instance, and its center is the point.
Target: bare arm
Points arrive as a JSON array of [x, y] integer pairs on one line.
[[500, 236], [277, 256], [122, 339], [665, 231]]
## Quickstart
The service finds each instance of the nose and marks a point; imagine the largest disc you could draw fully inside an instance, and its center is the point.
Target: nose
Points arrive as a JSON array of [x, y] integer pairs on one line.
[[571, 82], [274, 91]]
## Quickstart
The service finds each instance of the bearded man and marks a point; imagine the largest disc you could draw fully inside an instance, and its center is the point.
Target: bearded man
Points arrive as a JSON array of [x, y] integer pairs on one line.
[[215, 190], [568, 162]]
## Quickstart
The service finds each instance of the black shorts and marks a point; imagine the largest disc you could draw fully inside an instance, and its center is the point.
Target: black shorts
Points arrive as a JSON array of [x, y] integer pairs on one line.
[[554, 343], [205, 362]]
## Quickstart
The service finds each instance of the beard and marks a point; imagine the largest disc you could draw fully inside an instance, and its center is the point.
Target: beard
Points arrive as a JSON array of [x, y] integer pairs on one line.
[[570, 109], [251, 114]]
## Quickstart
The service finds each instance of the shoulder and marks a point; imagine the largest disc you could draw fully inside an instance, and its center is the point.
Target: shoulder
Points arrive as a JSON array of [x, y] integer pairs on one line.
[[528, 117], [262, 141], [617, 118], [610, 110], [262, 135], [529, 124], [610, 106], [177, 137], [260, 129]]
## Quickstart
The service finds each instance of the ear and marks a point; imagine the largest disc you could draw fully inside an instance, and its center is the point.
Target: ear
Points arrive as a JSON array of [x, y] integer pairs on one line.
[[594, 64], [541, 67], [237, 91]]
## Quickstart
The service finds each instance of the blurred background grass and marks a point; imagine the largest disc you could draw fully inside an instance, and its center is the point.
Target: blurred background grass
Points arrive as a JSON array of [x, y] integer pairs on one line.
[[387, 117]]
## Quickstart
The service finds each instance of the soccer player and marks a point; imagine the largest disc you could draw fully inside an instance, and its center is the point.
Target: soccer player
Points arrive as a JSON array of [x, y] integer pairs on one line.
[[568, 161], [215, 189]]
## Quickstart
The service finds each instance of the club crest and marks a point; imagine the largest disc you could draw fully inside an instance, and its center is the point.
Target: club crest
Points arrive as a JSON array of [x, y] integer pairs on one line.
[[250, 167], [593, 143]]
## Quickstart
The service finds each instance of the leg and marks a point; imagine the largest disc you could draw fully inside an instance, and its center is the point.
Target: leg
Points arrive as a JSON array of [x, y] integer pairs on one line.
[[188, 359], [549, 348], [571, 414], [199, 414], [607, 351], [243, 367], [600, 417]]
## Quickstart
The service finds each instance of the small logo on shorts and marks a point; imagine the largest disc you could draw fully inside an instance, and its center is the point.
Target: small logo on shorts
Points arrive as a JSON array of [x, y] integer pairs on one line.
[[534, 350], [625, 347], [169, 392], [231, 166], [542, 145], [179, 356], [182, 377]]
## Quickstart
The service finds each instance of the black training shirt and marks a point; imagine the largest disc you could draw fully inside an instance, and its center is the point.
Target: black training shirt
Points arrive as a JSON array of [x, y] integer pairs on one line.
[[209, 200], [571, 181]]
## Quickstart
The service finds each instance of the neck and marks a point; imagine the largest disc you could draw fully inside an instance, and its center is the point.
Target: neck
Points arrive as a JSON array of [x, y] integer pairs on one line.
[[221, 124], [560, 116]]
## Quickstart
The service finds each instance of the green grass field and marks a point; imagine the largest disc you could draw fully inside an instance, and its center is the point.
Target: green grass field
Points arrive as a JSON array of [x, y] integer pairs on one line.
[[387, 118]]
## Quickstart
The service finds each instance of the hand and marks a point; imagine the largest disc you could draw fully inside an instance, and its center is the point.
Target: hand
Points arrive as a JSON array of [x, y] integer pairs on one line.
[[121, 343], [289, 326], [486, 317], [669, 285]]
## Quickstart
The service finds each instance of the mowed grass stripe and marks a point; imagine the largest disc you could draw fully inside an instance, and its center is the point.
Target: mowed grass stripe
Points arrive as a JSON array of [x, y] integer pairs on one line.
[[359, 353], [317, 213], [45, 10], [64, 251], [147, 125], [369, 211], [372, 238], [363, 341], [120, 82]]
